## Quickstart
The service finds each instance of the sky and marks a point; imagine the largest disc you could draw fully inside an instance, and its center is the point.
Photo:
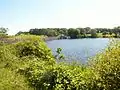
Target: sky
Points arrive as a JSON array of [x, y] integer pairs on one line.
[[22, 15]]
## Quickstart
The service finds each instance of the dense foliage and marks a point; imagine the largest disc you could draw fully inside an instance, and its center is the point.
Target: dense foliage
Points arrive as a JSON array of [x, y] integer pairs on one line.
[[16, 53], [26, 63], [75, 32], [3, 31]]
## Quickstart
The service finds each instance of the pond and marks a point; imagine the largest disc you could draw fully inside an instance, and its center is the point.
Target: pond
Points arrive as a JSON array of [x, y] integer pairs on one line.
[[79, 49]]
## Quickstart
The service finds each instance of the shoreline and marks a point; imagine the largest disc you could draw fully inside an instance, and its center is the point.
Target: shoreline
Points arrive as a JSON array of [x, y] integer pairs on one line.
[[50, 38]]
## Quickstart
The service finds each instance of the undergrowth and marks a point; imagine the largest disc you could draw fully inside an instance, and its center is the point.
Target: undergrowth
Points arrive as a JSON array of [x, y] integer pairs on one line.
[[26, 63]]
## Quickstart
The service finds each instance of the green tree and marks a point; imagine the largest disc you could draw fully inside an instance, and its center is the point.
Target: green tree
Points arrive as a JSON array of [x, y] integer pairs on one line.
[[83, 32], [116, 31], [93, 33], [3, 30], [73, 33]]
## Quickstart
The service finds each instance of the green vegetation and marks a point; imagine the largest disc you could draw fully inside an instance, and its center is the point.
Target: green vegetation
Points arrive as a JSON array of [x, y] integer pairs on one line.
[[19, 52], [3, 31], [26, 63], [74, 33]]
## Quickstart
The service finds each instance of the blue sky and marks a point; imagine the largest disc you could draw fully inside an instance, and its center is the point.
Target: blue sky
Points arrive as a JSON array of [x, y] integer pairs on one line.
[[21, 15]]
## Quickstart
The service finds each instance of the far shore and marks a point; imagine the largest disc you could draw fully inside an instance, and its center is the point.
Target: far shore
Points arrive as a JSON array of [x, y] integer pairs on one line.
[[50, 38]]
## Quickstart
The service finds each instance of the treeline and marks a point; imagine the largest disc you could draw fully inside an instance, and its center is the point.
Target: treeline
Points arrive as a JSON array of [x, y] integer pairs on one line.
[[75, 32]]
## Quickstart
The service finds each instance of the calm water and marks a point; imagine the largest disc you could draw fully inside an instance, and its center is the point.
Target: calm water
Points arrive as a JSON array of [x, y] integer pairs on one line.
[[79, 49]]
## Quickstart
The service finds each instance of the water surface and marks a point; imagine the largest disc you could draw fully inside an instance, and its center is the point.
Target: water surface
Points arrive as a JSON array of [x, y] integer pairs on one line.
[[79, 49]]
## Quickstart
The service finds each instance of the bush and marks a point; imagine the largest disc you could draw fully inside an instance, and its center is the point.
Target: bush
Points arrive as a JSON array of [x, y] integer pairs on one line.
[[10, 80], [102, 74], [34, 48], [107, 67], [43, 76], [28, 48], [29, 64], [14, 56]]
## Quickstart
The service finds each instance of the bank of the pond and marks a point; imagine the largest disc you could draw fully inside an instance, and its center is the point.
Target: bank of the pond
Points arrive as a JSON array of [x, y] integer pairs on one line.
[[50, 38]]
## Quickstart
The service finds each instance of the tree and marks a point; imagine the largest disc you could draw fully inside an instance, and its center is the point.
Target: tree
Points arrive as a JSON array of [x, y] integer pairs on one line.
[[82, 32], [3, 30], [116, 31], [73, 33], [20, 32], [88, 30], [93, 33], [104, 33]]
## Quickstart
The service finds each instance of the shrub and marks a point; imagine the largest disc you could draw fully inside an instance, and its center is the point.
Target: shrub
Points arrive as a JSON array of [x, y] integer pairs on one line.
[[43, 76], [107, 67], [102, 74], [33, 61], [10, 80], [14, 56]]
